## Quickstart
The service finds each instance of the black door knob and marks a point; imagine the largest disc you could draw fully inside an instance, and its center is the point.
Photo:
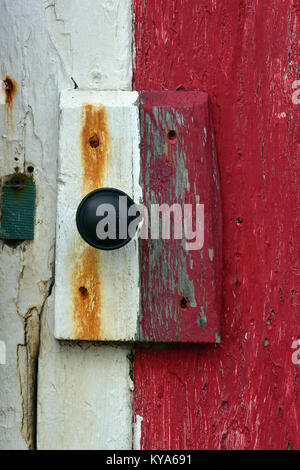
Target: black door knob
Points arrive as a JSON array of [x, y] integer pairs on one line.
[[103, 221]]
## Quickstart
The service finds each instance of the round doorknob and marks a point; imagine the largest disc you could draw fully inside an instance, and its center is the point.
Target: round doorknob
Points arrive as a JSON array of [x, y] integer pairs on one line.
[[102, 218]]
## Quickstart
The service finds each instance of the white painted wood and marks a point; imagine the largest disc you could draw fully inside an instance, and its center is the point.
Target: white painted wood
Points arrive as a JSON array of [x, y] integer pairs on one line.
[[93, 39], [31, 56], [88, 403], [28, 136], [118, 271]]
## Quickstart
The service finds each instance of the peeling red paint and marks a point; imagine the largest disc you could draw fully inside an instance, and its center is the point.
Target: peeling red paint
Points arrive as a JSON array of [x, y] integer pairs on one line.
[[86, 295], [180, 288], [239, 394]]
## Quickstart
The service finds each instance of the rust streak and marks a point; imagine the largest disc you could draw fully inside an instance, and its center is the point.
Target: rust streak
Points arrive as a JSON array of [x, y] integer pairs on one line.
[[86, 275], [94, 146], [11, 89], [86, 295]]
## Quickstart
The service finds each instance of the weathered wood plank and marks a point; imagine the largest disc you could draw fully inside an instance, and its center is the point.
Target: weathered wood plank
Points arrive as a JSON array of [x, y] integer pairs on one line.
[[88, 402], [108, 420], [97, 292], [243, 393], [181, 279]]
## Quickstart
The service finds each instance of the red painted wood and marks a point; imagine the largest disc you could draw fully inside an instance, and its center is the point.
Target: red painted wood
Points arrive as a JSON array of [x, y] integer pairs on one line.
[[243, 393], [180, 288]]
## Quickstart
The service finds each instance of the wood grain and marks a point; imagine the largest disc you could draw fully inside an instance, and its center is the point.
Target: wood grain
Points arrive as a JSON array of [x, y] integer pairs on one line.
[[243, 393]]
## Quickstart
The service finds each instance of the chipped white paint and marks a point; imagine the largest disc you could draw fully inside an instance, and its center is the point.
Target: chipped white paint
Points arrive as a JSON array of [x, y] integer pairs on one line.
[[137, 432], [88, 402], [30, 56], [119, 269], [93, 39]]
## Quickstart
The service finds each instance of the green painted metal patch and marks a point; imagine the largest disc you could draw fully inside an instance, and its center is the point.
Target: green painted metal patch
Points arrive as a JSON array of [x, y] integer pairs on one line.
[[18, 207]]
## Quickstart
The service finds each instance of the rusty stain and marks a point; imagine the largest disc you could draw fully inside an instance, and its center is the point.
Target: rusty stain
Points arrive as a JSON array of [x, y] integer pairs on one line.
[[94, 146], [94, 141], [11, 89], [83, 291], [86, 295], [86, 275]]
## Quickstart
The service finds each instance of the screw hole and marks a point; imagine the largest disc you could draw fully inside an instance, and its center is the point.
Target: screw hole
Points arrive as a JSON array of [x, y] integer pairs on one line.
[[239, 221], [184, 302], [94, 141], [172, 136], [30, 169], [83, 291]]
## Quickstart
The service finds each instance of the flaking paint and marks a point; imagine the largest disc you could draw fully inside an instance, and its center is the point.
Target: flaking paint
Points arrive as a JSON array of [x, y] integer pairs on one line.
[[94, 156], [239, 394]]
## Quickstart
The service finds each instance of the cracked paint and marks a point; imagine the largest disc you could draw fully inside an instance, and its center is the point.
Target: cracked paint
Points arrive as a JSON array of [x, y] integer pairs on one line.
[[239, 394]]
